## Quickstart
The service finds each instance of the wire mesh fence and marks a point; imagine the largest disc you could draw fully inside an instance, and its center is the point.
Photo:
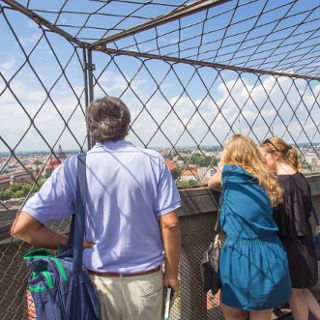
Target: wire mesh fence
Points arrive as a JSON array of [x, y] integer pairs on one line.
[[176, 105], [191, 73]]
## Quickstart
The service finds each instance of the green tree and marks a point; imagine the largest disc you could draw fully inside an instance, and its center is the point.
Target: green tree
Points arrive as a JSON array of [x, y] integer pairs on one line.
[[37, 162], [192, 183], [305, 165], [16, 186], [19, 189]]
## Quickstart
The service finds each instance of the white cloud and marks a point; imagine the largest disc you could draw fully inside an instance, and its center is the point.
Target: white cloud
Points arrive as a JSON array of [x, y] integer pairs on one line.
[[29, 40], [113, 83], [15, 121], [7, 65]]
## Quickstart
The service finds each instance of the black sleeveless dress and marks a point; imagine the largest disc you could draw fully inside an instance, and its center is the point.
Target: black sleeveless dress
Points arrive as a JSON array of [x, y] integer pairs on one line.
[[292, 218]]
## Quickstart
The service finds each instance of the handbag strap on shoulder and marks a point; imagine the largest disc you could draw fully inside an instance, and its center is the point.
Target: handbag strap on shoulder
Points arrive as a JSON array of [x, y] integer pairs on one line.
[[217, 224], [78, 219]]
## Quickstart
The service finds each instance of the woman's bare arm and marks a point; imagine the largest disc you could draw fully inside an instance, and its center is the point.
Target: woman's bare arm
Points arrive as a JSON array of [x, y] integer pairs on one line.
[[216, 180]]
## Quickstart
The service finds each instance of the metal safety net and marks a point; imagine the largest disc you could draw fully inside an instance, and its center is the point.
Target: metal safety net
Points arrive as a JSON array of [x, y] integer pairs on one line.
[[191, 72]]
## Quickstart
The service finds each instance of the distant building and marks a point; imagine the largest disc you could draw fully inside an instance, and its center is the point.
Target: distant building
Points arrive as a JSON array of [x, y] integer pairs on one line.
[[190, 173], [61, 155], [312, 158], [173, 169], [205, 173], [55, 162], [7, 179]]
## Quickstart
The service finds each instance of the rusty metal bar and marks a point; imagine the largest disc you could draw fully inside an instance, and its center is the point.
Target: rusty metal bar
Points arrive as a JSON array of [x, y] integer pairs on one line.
[[42, 21], [173, 15], [207, 64], [86, 90]]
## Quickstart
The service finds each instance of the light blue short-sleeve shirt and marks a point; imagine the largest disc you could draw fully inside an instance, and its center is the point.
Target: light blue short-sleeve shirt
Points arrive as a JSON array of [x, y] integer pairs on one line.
[[129, 188]]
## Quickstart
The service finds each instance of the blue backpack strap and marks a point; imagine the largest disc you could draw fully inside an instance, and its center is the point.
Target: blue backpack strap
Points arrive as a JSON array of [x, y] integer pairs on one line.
[[78, 223]]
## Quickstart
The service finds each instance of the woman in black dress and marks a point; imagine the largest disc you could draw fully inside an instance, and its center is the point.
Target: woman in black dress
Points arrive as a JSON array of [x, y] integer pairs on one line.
[[295, 231]]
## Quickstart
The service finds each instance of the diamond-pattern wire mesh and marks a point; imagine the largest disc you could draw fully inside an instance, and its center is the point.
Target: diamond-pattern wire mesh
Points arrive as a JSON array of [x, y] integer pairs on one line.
[[266, 34], [42, 98], [97, 19], [175, 105], [192, 302], [269, 35], [185, 108]]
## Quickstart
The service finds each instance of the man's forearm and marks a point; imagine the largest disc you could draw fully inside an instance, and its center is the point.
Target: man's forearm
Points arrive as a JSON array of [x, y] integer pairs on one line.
[[46, 238], [172, 249], [28, 229]]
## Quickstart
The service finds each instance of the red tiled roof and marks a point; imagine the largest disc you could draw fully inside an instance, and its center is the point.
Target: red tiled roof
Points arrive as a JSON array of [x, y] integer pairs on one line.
[[53, 164], [170, 165], [188, 172]]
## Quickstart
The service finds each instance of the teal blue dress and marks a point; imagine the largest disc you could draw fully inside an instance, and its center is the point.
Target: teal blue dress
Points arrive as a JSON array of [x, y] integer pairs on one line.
[[253, 264]]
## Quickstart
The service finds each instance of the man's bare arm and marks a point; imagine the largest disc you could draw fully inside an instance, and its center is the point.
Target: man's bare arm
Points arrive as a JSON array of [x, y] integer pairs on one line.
[[28, 229], [172, 247]]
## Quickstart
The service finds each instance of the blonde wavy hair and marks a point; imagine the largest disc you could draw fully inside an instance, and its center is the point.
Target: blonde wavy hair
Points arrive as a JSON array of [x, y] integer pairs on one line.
[[241, 151], [288, 153]]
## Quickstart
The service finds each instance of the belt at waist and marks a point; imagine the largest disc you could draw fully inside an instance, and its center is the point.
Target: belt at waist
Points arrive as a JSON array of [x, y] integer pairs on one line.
[[115, 274]]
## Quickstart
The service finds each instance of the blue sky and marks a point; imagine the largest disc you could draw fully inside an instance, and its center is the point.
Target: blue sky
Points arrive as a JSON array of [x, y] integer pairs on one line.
[[163, 100]]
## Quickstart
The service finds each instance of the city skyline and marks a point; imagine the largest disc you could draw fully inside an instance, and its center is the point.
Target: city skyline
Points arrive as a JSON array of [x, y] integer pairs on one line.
[[315, 144]]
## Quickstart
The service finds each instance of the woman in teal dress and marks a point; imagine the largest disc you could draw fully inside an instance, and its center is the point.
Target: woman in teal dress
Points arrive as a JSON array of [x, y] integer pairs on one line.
[[253, 264]]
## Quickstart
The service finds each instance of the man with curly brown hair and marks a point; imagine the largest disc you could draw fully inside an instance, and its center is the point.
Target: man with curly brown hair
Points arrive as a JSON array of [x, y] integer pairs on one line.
[[131, 223]]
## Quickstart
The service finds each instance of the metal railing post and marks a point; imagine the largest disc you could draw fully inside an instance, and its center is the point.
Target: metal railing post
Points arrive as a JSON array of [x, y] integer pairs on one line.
[[88, 68]]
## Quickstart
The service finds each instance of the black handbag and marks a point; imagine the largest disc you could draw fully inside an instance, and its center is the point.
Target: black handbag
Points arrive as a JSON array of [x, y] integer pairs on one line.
[[209, 266], [316, 237]]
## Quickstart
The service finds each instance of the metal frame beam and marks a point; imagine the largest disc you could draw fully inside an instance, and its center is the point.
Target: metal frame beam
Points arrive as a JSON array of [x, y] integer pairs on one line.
[[207, 64], [42, 21], [171, 16]]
